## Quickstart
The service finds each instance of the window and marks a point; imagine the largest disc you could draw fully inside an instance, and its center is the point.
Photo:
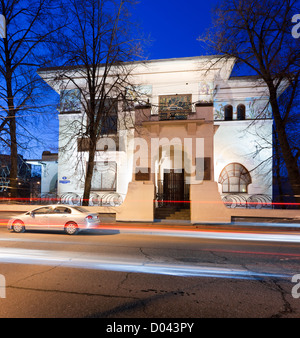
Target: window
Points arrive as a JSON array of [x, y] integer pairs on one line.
[[107, 113], [235, 178], [140, 95], [228, 112], [70, 101], [109, 124], [104, 176], [61, 210], [41, 211], [241, 112]]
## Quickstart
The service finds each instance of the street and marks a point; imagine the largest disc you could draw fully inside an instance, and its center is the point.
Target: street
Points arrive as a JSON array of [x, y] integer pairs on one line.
[[135, 272]]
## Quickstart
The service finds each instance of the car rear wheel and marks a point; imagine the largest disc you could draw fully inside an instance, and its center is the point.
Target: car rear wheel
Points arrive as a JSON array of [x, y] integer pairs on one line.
[[71, 228], [18, 226]]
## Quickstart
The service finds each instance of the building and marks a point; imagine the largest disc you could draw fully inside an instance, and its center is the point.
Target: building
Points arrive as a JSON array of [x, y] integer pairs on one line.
[[27, 181], [48, 180], [199, 138]]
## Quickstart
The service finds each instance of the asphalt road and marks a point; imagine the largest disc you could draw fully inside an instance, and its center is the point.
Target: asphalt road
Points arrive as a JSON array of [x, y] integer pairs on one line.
[[123, 272]]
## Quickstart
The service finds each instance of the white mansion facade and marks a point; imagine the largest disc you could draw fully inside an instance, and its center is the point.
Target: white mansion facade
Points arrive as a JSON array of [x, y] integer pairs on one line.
[[195, 110]]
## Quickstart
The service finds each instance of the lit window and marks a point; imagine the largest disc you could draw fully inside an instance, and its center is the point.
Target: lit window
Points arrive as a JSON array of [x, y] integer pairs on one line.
[[234, 178]]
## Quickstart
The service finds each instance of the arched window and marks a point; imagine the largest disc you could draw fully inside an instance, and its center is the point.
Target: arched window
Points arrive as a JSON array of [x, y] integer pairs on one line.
[[241, 112], [235, 178], [228, 112]]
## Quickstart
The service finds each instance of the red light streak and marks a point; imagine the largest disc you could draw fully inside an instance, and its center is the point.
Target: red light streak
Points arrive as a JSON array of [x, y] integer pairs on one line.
[[27, 200], [221, 202]]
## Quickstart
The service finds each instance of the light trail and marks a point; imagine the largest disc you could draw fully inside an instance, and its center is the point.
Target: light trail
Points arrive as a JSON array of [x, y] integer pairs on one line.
[[68, 241], [32, 202], [210, 234], [195, 231], [76, 260]]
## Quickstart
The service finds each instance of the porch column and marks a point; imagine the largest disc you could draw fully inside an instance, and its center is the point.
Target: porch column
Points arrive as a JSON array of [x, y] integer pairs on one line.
[[138, 204]]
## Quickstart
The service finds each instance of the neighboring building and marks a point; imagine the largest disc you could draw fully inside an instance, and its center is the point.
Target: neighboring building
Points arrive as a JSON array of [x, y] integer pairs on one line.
[[25, 179], [48, 180], [203, 134]]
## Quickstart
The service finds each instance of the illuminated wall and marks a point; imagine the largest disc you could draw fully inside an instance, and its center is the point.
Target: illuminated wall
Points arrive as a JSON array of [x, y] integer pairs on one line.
[[235, 141], [248, 140]]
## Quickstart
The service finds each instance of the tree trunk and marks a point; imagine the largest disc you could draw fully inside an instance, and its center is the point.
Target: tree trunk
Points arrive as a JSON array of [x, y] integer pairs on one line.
[[89, 176], [13, 141], [12, 124], [276, 174], [13, 158]]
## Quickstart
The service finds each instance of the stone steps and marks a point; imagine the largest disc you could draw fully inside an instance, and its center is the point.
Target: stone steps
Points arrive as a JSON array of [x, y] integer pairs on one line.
[[162, 213], [171, 214], [183, 214]]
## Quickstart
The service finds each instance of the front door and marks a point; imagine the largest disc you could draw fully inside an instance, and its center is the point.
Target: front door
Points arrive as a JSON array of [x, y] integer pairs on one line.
[[38, 219], [173, 188]]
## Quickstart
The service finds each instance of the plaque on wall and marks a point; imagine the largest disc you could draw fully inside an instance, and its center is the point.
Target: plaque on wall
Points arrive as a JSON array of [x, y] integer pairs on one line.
[[142, 174]]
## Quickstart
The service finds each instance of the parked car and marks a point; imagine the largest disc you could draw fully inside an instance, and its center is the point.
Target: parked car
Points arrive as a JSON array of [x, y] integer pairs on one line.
[[71, 219]]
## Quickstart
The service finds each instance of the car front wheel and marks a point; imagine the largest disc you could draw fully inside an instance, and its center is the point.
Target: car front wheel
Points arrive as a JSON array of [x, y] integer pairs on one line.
[[18, 226], [71, 228]]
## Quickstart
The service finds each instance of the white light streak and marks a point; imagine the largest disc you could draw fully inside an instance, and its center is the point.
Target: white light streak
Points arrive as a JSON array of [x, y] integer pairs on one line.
[[223, 235], [86, 261]]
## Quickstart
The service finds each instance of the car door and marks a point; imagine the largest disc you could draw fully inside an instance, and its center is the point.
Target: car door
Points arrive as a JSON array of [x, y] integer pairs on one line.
[[39, 218], [58, 217]]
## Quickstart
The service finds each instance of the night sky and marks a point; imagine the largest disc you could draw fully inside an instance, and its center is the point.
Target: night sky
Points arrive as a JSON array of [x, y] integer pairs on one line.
[[174, 26]]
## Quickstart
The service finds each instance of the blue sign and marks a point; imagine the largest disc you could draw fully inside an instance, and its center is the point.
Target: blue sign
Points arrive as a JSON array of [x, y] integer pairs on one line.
[[64, 180]]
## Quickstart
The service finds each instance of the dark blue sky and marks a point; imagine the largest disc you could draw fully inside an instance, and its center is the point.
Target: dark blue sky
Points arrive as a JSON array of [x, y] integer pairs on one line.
[[174, 26]]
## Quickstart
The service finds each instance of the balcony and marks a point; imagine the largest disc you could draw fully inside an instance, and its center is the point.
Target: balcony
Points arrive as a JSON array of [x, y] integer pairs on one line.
[[202, 112]]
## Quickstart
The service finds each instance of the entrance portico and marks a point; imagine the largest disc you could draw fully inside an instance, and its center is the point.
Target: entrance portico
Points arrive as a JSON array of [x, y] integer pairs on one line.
[[176, 162]]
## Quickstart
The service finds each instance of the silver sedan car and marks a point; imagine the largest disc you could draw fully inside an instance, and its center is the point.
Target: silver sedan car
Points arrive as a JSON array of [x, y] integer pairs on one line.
[[71, 219]]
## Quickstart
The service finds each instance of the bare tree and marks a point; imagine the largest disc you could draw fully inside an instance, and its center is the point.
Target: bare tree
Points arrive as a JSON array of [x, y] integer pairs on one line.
[[22, 50], [99, 48], [258, 35]]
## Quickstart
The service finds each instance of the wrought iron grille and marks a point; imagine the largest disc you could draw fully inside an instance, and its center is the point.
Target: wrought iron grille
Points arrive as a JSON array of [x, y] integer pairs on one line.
[[172, 191]]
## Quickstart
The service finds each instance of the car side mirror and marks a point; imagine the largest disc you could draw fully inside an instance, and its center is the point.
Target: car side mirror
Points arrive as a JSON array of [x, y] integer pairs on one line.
[[32, 214]]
